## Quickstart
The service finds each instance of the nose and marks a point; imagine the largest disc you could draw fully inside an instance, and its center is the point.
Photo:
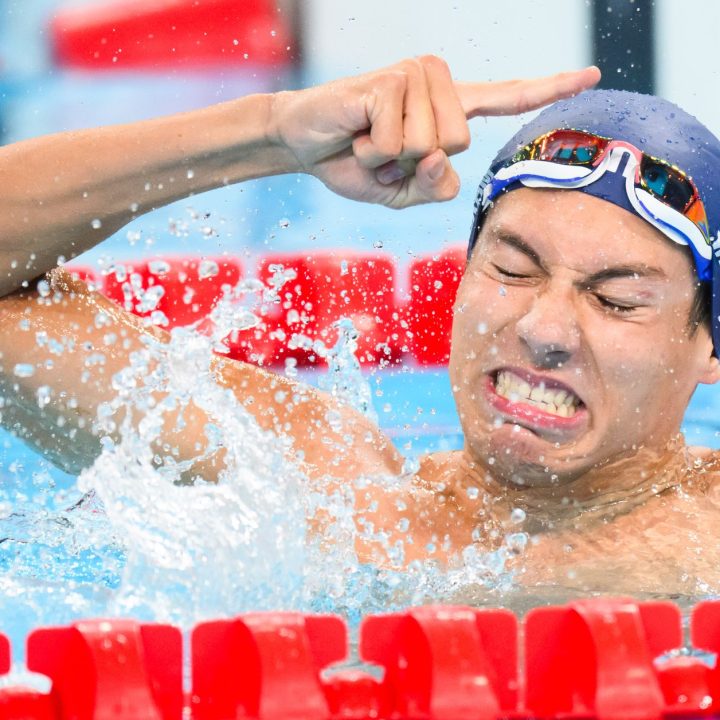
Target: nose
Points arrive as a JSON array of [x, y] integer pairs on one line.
[[549, 328]]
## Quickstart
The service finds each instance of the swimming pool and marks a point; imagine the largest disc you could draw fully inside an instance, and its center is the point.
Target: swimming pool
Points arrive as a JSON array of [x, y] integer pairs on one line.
[[126, 541]]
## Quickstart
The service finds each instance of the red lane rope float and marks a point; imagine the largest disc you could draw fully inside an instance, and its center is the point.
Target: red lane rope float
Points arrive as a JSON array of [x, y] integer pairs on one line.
[[322, 287], [590, 660], [142, 35]]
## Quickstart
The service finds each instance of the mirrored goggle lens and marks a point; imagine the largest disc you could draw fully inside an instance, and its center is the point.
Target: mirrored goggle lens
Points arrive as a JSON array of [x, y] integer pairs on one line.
[[572, 147], [666, 183]]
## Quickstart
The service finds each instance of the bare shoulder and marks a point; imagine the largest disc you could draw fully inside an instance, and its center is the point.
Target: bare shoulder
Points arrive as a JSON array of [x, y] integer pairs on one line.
[[328, 437]]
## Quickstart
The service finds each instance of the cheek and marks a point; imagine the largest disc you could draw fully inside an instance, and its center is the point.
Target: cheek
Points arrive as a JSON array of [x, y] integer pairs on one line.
[[483, 306], [645, 360]]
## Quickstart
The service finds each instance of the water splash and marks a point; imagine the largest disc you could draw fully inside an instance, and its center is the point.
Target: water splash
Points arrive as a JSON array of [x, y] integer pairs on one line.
[[142, 534]]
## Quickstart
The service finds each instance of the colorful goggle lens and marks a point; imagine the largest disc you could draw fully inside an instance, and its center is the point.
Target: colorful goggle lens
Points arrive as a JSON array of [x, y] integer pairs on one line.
[[667, 183]]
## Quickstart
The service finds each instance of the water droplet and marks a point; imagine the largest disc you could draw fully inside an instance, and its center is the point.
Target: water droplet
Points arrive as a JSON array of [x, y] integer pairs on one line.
[[190, 174], [284, 223], [96, 224], [517, 516], [43, 394], [159, 267], [24, 370], [207, 269]]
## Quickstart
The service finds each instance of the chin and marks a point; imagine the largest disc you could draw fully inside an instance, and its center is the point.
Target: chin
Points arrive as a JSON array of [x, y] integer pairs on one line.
[[522, 459]]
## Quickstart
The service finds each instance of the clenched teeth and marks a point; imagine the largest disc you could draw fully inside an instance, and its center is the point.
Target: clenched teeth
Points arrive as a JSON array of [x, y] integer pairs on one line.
[[554, 401]]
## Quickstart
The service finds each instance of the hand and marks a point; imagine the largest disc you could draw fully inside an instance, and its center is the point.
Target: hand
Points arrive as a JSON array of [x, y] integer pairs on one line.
[[385, 137]]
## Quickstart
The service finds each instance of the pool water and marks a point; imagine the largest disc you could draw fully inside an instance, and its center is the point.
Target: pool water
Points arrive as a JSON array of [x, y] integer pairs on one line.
[[137, 545]]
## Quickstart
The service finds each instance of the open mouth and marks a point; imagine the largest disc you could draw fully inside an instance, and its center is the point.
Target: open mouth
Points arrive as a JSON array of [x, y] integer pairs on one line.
[[539, 404], [552, 399]]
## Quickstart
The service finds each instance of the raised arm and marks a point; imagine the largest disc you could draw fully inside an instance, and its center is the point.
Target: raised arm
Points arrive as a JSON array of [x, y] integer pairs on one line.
[[382, 137]]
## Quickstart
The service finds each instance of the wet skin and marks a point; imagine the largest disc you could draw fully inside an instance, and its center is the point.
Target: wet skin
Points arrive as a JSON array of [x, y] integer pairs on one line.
[[625, 487], [569, 290], [571, 293]]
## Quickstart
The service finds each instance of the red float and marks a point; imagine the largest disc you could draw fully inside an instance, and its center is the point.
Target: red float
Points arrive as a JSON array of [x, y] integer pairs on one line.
[[180, 34]]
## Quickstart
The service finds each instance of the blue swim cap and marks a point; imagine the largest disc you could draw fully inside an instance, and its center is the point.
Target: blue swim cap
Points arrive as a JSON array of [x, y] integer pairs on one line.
[[656, 127]]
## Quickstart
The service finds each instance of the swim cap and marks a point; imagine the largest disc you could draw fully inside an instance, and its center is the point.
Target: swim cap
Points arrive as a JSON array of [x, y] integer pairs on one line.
[[651, 124]]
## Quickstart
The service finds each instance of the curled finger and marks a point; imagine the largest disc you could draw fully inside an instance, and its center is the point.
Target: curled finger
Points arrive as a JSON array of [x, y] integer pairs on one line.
[[453, 134], [384, 108]]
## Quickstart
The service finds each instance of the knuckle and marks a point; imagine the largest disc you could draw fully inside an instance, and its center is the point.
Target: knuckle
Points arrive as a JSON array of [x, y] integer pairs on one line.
[[412, 66], [388, 147], [415, 63], [434, 62], [458, 142], [393, 81], [450, 188], [419, 147]]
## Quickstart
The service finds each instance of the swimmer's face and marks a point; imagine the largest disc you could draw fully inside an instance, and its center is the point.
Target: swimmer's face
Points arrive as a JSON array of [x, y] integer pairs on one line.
[[585, 308]]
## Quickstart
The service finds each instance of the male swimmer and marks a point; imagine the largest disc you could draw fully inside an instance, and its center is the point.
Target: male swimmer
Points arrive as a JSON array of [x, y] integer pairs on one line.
[[582, 324]]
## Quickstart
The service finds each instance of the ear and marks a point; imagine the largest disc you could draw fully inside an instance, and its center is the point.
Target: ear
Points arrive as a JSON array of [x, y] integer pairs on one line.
[[710, 366]]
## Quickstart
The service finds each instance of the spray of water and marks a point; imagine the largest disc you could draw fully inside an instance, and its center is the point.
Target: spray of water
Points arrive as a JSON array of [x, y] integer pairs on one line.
[[143, 541]]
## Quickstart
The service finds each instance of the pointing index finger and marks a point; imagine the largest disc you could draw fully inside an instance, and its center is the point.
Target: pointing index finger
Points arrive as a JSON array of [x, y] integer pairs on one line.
[[513, 97]]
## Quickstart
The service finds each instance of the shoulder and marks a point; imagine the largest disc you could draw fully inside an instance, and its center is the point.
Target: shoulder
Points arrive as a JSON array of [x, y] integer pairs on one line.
[[328, 437]]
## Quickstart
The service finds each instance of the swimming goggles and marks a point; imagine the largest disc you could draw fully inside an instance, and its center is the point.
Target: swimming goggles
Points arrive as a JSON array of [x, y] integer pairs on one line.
[[658, 192]]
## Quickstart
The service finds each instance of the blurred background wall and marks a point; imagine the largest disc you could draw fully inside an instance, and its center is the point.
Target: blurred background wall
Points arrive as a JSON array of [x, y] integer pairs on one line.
[[667, 45]]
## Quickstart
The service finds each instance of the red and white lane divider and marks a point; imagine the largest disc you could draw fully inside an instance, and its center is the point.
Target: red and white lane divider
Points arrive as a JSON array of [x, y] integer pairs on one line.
[[590, 659], [324, 287]]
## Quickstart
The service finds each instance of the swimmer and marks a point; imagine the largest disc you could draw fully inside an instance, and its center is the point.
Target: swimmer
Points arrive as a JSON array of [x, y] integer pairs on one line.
[[590, 271]]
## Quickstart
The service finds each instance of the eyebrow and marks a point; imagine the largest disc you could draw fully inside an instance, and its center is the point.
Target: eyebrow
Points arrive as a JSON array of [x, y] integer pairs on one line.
[[616, 272], [620, 272], [518, 244]]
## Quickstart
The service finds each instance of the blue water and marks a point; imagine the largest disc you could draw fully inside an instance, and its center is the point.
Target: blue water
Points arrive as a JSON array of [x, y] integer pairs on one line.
[[53, 571], [414, 406]]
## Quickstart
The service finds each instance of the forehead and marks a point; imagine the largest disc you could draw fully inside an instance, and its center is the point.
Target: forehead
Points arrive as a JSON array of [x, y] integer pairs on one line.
[[580, 231]]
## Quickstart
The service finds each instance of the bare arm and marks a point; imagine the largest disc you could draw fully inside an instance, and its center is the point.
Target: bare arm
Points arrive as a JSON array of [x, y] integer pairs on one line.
[[382, 137], [63, 194], [76, 358]]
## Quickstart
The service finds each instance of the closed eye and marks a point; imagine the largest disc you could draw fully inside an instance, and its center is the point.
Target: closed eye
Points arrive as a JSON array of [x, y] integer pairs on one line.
[[508, 273], [614, 306]]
